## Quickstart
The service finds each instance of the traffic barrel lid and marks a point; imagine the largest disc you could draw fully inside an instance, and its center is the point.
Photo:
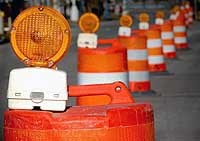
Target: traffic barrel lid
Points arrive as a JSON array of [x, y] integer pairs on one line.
[[40, 36]]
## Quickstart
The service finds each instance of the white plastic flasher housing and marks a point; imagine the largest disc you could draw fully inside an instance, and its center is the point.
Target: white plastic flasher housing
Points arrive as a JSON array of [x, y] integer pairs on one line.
[[143, 25], [124, 31], [87, 40], [37, 87], [159, 21]]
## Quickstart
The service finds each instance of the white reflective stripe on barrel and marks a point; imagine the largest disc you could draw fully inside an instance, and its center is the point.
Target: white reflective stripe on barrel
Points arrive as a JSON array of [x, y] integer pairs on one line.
[[179, 29], [100, 78], [156, 59], [139, 54], [167, 35], [139, 76], [154, 43], [168, 48], [180, 40]]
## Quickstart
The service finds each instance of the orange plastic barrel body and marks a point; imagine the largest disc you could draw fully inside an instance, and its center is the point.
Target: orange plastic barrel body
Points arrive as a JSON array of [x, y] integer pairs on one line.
[[180, 32], [121, 120], [133, 122], [185, 13], [138, 32], [102, 60], [190, 15], [155, 53], [167, 34], [98, 66], [139, 80]]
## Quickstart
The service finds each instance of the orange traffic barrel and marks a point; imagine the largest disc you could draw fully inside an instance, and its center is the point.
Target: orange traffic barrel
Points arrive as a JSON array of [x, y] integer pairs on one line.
[[167, 37], [190, 12], [184, 11], [190, 15], [180, 32], [154, 46], [139, 80], [118, 121], [155, 53], [167, 34], [101, 65], [140, 32]]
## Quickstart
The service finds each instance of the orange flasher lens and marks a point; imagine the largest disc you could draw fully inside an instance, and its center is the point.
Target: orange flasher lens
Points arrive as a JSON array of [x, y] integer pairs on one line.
[[144, 17], [176, 8], [160, 14], [89, 23], [40, 36], [126, 20]]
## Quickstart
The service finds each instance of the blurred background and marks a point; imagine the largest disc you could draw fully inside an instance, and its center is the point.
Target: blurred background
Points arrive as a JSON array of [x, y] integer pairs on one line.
[[104, 9]]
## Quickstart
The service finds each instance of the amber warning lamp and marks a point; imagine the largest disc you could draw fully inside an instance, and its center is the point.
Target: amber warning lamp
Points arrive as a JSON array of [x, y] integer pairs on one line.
[[126, 20], [144, 21], [40, 36], [89, 23], [159, 17], [144, 17], [160, 14]]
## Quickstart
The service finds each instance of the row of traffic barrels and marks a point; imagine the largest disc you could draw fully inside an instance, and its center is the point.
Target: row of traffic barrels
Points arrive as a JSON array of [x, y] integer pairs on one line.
[[132, 59]]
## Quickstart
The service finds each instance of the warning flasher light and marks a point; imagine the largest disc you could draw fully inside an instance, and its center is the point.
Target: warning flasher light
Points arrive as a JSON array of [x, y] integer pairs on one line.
[[126, 20], [160, 14], [40, 36], [89, 23], [144, 17]]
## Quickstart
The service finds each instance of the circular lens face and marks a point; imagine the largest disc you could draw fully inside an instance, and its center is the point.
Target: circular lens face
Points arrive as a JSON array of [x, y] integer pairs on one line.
[[144, 17], [40, 36], [89, 23], [176, 8], [126, 20], [160, 14]]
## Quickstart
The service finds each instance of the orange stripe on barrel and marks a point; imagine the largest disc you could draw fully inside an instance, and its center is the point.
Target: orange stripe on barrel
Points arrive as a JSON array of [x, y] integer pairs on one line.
[[138, 65], [134, 42], [180, 34], [100, 60], [168, 42], [155, 51]]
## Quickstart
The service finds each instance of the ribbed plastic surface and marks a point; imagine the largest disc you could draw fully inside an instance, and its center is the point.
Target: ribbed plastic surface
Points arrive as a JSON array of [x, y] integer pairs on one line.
[[89, 23], [39, 36], [118, 122]]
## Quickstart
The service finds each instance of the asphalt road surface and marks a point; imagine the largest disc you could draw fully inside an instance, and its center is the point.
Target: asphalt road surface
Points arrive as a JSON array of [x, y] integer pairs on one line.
[[177, 103]]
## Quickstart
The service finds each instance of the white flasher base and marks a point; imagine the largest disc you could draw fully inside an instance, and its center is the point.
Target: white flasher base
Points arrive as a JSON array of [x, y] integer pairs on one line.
[[124, 31], [87, 40], [37, 87]]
